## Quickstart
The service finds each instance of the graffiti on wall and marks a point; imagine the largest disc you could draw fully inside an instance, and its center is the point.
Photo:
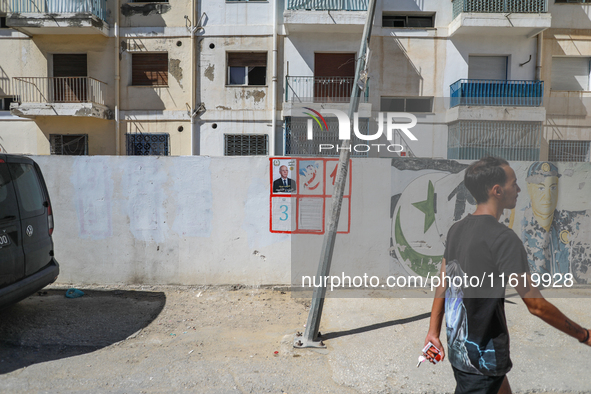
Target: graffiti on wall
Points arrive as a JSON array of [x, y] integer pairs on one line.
[[552, 216]]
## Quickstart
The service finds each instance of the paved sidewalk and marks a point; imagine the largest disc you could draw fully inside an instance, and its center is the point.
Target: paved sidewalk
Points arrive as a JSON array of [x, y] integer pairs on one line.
[[223, 340]]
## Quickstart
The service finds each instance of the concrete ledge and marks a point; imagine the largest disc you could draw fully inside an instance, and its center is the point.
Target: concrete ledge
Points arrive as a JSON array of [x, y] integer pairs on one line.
[[324, 21], [33, 110], [297, 109], [494, 23], [511, 114], [71, 23]]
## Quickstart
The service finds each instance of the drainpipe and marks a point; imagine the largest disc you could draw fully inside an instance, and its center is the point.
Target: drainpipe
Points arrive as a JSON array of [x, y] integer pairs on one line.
[[274, 81], [540, 43], [193, 73], [117, 80]]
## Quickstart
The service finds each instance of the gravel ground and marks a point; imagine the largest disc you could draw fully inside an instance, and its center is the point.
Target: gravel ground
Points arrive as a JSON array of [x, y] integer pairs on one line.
[[235, 339]]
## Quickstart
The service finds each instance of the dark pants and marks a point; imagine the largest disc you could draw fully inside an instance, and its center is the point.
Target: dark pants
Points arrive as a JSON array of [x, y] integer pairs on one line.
[[469, 383]]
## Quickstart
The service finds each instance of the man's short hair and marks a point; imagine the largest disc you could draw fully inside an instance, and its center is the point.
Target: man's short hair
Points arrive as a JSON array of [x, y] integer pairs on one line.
[[482, 175]]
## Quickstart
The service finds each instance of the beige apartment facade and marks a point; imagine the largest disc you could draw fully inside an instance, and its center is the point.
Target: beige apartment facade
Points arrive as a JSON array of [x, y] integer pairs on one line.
[[205, 77]]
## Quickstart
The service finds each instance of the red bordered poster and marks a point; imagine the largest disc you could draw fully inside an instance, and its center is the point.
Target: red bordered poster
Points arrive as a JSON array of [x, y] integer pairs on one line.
[[301, 192]]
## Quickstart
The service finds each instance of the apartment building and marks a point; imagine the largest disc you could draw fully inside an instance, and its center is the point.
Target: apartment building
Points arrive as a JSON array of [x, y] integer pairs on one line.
[[502, 77]]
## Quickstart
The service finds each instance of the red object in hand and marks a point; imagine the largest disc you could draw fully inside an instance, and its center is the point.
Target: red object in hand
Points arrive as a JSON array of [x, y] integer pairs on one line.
[[433, 354]]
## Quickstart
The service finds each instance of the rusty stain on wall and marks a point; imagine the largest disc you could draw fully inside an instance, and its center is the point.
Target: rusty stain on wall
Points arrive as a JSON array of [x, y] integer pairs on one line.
[[209, 72], [175, 70]]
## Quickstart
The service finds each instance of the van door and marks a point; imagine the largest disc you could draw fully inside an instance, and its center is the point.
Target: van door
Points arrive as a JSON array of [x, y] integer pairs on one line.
[[33, 202], [12, 257]]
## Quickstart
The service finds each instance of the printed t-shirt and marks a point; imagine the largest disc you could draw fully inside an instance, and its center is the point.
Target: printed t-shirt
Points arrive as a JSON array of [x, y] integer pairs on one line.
[[479, 250]]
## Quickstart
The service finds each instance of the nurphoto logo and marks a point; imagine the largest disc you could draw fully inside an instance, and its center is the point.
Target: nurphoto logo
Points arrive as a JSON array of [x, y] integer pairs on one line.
[[345, 129]]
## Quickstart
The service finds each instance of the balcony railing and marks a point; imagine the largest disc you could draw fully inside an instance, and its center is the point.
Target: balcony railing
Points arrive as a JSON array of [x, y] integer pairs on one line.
[[320, 89], [498, 6], [328, 5], [481, 92], [95, 7], [59, 90]]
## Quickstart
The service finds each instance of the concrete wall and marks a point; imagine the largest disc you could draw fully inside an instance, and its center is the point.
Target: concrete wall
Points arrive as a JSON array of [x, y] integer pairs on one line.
[[200, 220]]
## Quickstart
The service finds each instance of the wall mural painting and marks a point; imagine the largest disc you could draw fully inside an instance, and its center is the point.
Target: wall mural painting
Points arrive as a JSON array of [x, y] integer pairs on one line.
[[552, 216]]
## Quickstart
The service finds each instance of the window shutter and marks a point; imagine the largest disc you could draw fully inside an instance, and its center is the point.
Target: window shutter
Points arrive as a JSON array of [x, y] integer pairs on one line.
[[570, 73], [487, 67], [247, 59], [149, 69]]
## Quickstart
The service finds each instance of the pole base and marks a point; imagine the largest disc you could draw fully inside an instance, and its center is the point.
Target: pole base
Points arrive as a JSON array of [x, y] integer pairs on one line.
[[300, 342]]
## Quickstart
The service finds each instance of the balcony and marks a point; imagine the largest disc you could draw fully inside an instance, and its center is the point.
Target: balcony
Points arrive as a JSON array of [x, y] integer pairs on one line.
[[489, 92], [482, 17], [320, 89], [34, 17], [327, 5], [59, 96], [496, 100], [325, 16], [317, 92]]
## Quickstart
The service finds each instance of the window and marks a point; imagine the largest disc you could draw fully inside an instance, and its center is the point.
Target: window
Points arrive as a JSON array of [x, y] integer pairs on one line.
[[149, 69], [30, 195], [245, 144], [3, 23], [147, 144], [561, 150], [69, 144], [475, 139], [424, 20], [487, 67], [8, 201], [406, 104], [571, 73], [298, 144], [5, 103], [247, 68]]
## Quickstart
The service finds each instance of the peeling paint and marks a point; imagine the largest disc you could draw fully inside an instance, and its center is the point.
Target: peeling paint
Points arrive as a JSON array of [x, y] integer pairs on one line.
[[175, 70], [417, 164], [209, 72], [224, 108], [257, 95], [131, 9]]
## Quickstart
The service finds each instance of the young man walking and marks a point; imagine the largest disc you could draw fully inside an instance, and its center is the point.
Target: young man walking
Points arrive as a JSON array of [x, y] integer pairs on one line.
[[479, 246]]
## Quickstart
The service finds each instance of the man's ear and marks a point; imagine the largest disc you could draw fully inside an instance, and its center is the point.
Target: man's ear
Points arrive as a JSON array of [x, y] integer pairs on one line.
[[495, 191]]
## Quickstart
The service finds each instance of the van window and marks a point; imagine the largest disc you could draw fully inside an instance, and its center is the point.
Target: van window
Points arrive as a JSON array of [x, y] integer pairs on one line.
[[8, 205], [28, 189]]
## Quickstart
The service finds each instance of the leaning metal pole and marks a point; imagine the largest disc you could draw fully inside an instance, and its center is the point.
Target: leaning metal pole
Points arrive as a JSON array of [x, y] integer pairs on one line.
[[310, 337]]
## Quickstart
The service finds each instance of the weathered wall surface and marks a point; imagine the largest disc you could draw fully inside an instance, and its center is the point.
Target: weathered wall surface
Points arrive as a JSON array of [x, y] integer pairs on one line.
[[200, 220], [552, 216]]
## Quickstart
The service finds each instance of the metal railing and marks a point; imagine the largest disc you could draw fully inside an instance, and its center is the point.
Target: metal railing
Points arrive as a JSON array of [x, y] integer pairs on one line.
[[327, 5], [568, 150], [59, 90], [95, 7], [505, 6], [475, 139], [496, 92], [321, 89]]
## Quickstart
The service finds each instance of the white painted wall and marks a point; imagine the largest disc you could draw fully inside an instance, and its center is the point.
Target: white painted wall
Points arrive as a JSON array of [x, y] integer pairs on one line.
[[193, 220]]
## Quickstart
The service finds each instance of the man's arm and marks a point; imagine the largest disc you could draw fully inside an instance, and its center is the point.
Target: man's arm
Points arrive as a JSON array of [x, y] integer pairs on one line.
[[540, 307], [437, 312]]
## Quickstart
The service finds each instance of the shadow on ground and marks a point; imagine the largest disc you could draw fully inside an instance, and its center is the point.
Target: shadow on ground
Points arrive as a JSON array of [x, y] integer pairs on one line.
[[376, 326], [50, 326]]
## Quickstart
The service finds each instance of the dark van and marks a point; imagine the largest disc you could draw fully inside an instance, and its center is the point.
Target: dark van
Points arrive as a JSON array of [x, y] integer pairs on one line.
[[26, 224]]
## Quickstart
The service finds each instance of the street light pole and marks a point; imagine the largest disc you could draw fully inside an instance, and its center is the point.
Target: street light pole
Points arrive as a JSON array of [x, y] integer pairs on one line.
[[310, 337]]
